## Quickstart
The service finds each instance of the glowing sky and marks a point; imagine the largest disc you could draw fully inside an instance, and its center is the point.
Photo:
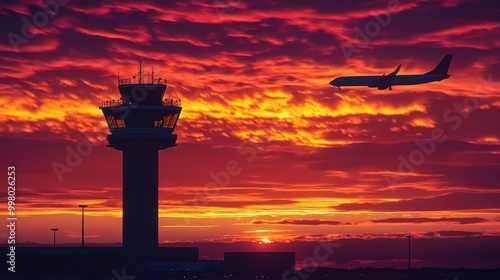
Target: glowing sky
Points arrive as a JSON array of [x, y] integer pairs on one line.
[[313, 162]]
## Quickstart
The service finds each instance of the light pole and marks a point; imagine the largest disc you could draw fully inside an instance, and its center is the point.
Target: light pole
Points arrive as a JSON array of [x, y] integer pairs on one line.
[[54, 230], [409, 256], [83, 222]]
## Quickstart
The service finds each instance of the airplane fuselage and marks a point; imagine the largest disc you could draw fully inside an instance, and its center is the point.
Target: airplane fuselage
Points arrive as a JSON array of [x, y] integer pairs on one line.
[[371, 81]]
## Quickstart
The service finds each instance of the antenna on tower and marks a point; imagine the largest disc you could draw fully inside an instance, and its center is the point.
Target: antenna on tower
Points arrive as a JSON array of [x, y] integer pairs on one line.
[[152, 74], [140, 70]]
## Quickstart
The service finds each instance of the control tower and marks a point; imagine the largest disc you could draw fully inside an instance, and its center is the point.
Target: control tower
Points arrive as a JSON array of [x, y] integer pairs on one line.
[[141, 123]]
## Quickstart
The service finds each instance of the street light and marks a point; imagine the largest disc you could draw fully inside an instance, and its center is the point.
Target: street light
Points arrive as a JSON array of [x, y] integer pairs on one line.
[[83, 222], [54, 230], [409, 237]]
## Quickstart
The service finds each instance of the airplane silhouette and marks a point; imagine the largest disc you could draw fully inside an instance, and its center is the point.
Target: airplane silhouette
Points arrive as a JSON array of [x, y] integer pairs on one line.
[[386, 82]]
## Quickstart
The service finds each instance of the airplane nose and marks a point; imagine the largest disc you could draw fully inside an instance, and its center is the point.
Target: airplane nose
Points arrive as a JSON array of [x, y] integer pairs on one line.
[[332, 82]]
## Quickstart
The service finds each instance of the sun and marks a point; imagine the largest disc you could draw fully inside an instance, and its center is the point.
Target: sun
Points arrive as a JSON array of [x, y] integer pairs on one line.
[[265, 241]]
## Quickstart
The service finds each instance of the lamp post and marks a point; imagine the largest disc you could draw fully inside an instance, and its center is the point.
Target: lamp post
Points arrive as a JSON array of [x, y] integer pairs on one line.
[[54, 230], [409, 256], [83, 222]]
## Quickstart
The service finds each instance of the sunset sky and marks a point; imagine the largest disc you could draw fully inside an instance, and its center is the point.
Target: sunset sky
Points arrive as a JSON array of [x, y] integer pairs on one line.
[[354, 166]]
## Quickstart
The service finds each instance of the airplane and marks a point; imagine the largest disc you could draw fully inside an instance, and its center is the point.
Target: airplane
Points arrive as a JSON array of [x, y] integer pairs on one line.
[[386, 82]]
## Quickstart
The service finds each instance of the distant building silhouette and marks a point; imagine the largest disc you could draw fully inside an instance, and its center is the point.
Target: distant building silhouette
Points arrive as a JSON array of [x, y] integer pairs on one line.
[[90, 261], [262, 265]]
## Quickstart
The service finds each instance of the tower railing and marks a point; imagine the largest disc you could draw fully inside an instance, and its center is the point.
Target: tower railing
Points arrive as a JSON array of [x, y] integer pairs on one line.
[[120, 102], [143, 80]]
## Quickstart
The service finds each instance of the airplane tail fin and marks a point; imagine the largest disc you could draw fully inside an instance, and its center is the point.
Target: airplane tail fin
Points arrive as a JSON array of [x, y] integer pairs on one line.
[[442, 67]]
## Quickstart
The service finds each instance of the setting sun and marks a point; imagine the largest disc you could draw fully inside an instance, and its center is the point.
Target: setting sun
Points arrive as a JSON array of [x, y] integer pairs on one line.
[[265, 241]]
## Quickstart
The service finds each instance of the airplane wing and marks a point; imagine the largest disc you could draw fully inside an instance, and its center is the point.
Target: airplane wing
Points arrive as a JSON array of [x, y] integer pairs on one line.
[[386, 81]]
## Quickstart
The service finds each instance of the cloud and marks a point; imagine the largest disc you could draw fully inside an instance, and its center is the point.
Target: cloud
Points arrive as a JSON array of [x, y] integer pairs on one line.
[[298, 222], [451, 201], [462, 221], [452, 233]]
